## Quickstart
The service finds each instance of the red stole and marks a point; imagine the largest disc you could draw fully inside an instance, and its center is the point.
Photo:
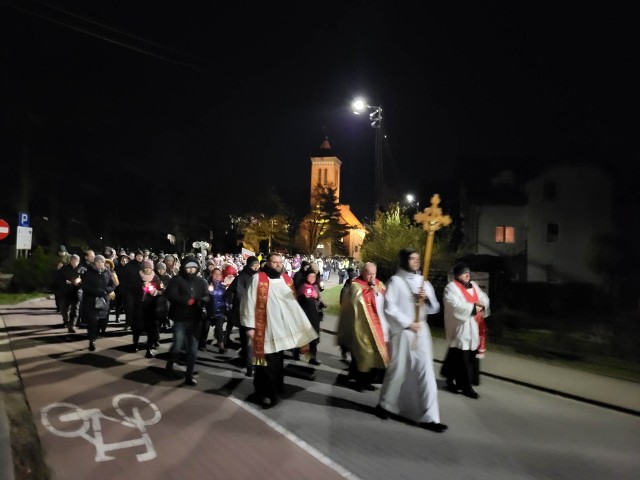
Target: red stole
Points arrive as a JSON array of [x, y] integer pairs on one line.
[[371, 312], [261, 315], [482, 325]]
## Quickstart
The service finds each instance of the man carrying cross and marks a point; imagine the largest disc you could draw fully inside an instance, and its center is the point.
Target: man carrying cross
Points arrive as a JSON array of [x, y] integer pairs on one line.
[[410, 389]]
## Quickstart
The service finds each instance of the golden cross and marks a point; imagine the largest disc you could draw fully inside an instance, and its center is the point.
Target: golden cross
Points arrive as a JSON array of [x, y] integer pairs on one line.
[[432, 220]]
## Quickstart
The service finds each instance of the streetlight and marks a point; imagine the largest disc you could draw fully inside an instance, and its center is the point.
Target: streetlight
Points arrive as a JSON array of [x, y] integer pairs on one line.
[[360, 105], [411, 198]]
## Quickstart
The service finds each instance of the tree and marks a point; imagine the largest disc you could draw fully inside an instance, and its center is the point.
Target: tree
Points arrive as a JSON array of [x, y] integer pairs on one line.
[[312, 228], [392, 231], [273, 229], [323, 222], [335, 231]]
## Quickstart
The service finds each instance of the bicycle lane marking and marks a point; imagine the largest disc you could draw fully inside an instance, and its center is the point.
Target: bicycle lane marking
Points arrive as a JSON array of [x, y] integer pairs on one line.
[[89, 425]]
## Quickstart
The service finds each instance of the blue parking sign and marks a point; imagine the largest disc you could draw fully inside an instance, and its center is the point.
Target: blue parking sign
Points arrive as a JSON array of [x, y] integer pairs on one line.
[[23, 219]]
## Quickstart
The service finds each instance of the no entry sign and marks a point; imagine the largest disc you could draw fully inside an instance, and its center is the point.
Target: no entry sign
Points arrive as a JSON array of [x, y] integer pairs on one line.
[[4, 229]]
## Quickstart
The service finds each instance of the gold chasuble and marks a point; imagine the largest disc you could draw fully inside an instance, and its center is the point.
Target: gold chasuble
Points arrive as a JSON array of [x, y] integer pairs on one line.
[[362, 325]]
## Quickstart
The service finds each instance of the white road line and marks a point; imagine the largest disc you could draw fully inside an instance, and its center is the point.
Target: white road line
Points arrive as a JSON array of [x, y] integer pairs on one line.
[[295, 439]]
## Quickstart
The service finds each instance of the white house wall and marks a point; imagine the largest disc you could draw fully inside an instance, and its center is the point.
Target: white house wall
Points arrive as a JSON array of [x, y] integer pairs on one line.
[[583, 209]]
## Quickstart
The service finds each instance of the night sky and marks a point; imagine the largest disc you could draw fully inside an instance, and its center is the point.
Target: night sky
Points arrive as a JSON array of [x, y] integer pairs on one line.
[[211, 101]]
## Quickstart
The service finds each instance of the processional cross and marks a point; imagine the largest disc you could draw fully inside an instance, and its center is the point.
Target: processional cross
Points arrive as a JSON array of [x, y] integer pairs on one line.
[[432, 220]]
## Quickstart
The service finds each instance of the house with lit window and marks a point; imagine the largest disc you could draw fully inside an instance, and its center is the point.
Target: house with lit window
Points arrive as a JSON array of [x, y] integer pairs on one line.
[[546, 227]]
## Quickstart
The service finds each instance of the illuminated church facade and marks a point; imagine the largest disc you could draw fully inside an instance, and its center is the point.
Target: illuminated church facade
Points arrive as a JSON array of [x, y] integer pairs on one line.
[[325, 173]]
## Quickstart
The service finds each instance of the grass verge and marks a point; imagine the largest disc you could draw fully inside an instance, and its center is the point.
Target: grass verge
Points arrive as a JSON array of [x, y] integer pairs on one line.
[[13, 298]]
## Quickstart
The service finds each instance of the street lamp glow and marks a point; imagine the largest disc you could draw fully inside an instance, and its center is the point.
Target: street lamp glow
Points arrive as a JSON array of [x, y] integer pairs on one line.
[[359, 106], [410, 198]]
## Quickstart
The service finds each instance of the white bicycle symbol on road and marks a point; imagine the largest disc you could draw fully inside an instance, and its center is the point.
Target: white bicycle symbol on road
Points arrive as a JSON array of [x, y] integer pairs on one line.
[[68, 420]]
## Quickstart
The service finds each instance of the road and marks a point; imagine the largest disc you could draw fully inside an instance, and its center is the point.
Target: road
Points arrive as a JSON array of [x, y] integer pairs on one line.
[[112, 412]]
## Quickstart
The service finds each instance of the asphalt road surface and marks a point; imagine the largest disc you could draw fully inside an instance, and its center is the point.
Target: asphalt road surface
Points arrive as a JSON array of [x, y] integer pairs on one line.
[[113, 413]]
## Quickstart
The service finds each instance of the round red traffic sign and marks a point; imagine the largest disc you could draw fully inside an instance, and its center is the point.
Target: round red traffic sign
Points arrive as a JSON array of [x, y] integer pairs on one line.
[[4, 229]]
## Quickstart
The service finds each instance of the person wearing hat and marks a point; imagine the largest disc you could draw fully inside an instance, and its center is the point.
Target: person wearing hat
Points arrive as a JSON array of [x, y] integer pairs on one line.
[[465, 308], [234, 295], [63, 254], [409, 389], [187, 294]]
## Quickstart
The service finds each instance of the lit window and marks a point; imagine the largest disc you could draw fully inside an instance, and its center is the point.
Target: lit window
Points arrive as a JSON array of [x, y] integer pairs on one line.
[[505, 234]]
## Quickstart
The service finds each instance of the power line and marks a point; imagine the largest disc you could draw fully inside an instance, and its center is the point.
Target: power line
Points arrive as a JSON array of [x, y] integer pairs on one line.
[[109, 34]]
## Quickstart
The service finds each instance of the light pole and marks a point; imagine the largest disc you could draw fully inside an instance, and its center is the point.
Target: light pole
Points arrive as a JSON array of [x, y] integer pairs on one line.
[[411, 199], [375, 117]]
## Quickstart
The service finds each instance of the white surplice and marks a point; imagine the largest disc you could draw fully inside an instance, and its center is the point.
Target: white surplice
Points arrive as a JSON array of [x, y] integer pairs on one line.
[[410, 389], [287, 325]]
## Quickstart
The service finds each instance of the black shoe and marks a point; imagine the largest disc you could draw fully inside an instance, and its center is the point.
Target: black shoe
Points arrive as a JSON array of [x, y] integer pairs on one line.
[[72, 330], [433, 426], [315, 361], [269, 402], [249, 372], [381, 412], [471, 394], [190, 381], [150, 354], [170, 371], [451, 386], [92, 346], [364, 386]]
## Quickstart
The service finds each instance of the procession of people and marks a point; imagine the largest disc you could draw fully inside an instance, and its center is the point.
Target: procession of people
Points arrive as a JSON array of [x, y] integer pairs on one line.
[[276, 305]]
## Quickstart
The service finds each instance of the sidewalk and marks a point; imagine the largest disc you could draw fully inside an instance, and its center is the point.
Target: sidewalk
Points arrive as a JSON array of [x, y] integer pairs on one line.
[[531, 372]]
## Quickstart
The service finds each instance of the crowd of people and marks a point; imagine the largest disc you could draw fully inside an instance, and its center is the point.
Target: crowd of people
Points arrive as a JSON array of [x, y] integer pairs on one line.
[[276, 305]]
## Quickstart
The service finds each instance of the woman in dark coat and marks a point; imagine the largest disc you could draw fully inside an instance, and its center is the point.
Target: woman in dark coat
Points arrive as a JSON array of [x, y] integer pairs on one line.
[[309, 299], [97, 283]]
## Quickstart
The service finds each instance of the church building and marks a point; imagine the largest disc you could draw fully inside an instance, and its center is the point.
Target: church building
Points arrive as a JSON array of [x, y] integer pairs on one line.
[[325, 173]]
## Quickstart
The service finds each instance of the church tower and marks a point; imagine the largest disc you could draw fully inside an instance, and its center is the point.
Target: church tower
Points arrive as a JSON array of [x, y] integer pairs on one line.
[[325, 172]]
